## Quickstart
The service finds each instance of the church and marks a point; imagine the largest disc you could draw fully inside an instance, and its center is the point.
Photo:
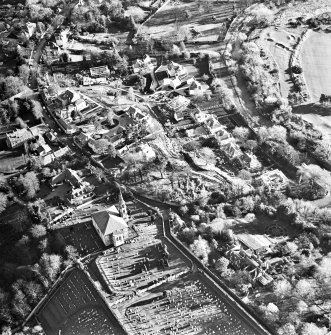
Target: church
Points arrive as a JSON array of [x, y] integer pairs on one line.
[[111, 225]]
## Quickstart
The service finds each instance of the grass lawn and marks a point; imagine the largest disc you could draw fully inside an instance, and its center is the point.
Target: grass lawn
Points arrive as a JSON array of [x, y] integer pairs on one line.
[[83, 237], [315, 58], [76, 308]]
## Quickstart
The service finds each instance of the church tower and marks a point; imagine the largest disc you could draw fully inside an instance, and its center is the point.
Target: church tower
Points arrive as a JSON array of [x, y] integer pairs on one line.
[[122, 207]]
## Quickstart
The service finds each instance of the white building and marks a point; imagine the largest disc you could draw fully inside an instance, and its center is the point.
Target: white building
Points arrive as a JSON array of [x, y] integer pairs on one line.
[[111, 225]]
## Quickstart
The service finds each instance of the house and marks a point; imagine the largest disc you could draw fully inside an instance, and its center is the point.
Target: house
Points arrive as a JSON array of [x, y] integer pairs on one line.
[[79, 188], [66, 127], [194, 87], [251, 162], [170, 70], [175, 69], [179, 103], [80, 104], [199, 116], [255, 243], [224, 137], [18, 137], [98, 146], [171, 82], [135, 113], [232, 150], [60, 152], [81, 139], [111, 225], [43, 149], [50, 136], [143, 66], [195, 132], [213, 125], [67, 97], [273, 179], [87, 81], [100, 71], [178, 115]]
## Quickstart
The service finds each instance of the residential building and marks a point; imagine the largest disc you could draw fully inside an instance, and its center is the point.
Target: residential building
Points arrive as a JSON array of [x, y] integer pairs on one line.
[[178, 103], [80, 104], [43, 149], [178, 115], [198, 116], [136, 113], [232, 150], [213, 125], [171, 82], [251, 162], [81, 139], [274, 180], [194, 87], [170, 70], [111, 225], [143, 66], [80, 189], [18, 137], [66, 127], [97, 146], [255, 243], [196, 132]]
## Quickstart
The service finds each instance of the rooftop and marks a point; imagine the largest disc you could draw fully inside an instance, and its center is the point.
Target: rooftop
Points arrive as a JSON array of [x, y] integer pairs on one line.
[[109, 221]]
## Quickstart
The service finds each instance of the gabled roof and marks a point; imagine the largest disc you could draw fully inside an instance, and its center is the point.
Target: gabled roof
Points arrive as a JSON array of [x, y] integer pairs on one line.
[[254, 242], [108, 221]]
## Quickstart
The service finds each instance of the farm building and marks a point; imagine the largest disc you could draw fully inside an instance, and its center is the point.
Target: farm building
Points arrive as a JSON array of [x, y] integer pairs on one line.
[[100, 71]]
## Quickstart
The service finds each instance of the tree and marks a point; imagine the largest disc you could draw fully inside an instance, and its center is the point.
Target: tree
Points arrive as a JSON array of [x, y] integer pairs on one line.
[[201, 249], [33, 291], [30, 184], [24, 73], [3, 202], [175, 50], [50, 266], [37, 231], [305, 289], [37, 109], [311, 328], [282, 288], [10, 86], [287, 329], [222, 264], [110, 117], [241, 133], [112, 150], [71, 253], [131, 94], [21, 123]]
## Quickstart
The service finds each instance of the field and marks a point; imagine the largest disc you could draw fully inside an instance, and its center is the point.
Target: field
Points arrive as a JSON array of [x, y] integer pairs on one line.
[[76, 308], [315, 57], [83, 237], [206, 18]]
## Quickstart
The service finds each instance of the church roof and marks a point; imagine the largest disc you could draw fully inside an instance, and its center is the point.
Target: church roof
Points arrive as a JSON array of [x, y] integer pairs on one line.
[[109, 221]]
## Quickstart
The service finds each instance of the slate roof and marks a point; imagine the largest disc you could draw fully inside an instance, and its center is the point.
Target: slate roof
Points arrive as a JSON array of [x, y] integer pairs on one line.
[[108, 221]]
